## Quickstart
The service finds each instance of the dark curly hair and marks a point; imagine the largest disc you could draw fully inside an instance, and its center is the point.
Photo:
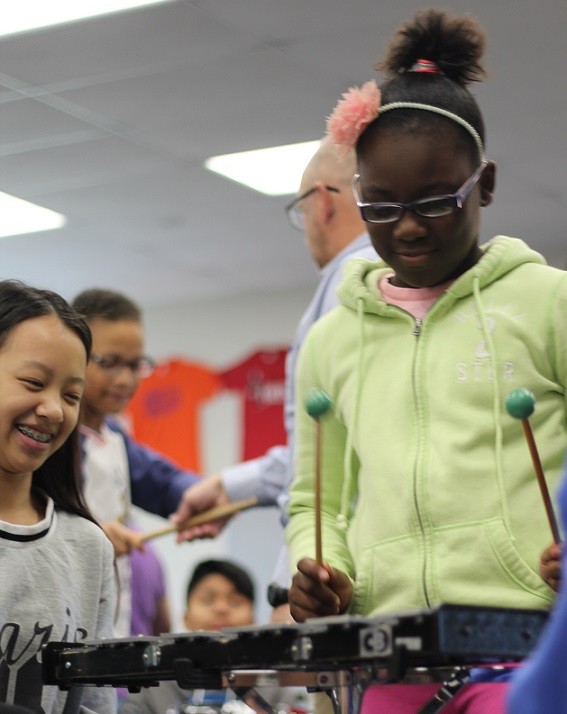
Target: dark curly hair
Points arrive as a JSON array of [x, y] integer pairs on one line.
[[456, 45]]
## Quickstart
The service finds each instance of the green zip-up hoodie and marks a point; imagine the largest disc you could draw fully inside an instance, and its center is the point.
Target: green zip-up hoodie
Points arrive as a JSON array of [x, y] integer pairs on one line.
[[428, 490]]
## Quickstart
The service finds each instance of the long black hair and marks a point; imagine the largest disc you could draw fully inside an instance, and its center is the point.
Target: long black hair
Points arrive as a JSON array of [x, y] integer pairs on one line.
[[60, 475]]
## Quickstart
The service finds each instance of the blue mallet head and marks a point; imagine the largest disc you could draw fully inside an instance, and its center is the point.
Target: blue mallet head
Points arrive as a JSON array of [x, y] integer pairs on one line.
[[520, 403], [317, 403]]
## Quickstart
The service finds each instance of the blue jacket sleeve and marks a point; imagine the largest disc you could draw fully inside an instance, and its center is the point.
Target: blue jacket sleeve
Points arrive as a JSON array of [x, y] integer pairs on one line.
[[157, 484], [540, 687]]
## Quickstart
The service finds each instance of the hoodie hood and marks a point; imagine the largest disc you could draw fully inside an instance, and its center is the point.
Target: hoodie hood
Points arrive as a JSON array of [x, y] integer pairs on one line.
[[501, 255]]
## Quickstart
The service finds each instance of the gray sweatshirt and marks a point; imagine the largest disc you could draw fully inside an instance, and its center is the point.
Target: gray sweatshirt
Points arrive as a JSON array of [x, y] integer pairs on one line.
[[56, 584]]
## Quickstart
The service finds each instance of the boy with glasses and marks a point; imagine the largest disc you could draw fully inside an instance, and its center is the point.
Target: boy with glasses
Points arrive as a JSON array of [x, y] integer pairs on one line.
[[117, 471]]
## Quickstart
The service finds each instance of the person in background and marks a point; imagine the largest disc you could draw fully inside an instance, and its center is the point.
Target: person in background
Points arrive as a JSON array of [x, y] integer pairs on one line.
[[117, 471], [220, 594], [326, 213], [57, 573], [428, 492]]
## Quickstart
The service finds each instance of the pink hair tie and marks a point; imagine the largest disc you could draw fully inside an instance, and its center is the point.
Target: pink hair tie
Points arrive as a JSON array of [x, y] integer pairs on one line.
[[426, 66]]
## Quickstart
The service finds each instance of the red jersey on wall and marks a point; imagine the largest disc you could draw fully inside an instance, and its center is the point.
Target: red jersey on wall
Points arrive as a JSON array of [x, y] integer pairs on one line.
[[260, 379], [164, 413]]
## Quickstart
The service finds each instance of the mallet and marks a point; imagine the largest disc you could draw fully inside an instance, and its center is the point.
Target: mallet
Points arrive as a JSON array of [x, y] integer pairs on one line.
[[317, 404], [521, 404], [213, 514]]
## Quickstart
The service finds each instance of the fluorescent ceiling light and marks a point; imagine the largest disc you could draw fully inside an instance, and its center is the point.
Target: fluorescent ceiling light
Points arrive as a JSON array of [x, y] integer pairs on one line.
[[18, 216], [275, 171], [24, 15]]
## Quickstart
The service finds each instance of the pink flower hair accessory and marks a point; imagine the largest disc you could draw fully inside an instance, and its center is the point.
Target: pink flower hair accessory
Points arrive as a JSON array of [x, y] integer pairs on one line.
[[354, 112]]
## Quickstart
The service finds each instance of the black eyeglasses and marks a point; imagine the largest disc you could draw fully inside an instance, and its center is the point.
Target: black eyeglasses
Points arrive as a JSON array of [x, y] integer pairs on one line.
[[113, 364], [294, 212], [434, 207]]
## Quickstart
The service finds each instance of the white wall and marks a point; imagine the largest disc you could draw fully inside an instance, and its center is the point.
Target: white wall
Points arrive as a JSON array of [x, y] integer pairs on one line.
[[220, 333]]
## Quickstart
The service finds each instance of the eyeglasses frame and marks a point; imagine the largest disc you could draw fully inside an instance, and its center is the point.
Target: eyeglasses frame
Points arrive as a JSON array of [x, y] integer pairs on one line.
[[134, 365], [290, 206], [459, 197]]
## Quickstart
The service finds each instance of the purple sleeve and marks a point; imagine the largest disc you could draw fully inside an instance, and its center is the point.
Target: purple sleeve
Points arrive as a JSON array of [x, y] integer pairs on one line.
[[147, 586]]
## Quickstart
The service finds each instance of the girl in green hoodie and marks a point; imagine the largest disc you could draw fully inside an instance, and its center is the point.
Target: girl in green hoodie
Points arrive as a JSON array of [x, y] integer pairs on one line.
[[428, 492]]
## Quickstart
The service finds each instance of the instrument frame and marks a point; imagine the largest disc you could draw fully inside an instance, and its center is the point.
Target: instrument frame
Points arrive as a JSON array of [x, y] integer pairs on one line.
[[332, 653]]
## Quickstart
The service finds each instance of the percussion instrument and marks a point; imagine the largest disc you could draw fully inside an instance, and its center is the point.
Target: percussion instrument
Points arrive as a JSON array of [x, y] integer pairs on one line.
[[322, 653]]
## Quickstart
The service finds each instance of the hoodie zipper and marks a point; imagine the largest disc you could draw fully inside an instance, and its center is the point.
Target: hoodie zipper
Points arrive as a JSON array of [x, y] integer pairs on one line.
[[417, 332]]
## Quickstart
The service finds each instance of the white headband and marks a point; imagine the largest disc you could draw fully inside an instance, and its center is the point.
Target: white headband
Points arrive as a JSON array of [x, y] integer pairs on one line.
[[443, 112]]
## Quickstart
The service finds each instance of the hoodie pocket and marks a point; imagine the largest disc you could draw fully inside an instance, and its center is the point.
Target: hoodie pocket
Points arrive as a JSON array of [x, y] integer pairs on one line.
[[513, 563], [388, 577], [478, 564]]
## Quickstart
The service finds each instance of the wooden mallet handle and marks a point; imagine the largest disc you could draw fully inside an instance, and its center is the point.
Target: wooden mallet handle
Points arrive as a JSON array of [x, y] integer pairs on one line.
[[521, 404], [541, 481], [212, 514], [317, 404], [317, 495]]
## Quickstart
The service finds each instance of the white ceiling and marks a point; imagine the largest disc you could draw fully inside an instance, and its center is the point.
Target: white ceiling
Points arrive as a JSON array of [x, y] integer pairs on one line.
[[109, 121]]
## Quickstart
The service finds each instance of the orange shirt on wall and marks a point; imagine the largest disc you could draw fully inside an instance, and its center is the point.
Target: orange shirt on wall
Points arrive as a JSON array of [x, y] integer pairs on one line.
[[164, 413]]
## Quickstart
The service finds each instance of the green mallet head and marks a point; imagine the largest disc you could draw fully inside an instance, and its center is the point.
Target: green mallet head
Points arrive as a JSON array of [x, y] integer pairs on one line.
[[318, 403], [520, 403]]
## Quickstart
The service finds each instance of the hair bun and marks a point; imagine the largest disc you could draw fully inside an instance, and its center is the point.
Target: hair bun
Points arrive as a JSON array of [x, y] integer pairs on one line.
[[454, 43]]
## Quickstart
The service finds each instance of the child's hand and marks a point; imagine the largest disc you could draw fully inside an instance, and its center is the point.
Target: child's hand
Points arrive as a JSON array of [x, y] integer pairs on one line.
[[318, 590], [550, 566], [122, 538]]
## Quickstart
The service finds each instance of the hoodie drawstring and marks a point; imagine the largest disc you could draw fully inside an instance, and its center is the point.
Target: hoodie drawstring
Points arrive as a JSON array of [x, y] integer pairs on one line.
[[342, 518], [496, 403]]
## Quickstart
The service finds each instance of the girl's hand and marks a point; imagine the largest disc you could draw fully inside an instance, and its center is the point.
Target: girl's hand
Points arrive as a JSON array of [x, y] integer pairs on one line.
[[318, 591], [550, 566]]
